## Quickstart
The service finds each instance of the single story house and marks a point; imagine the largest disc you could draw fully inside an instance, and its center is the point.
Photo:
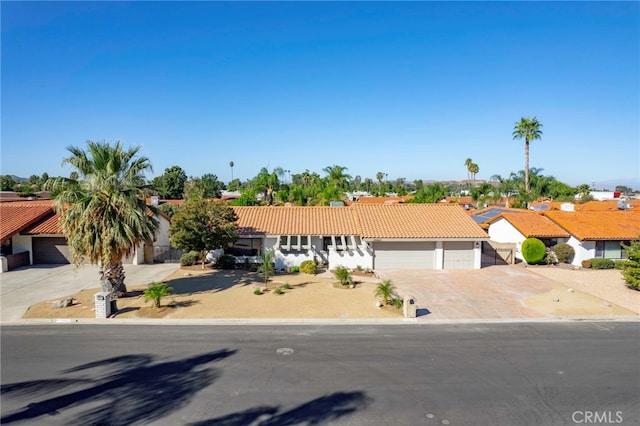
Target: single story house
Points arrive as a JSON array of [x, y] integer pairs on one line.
[[592, 234], [515, 227], [598, 234], [373, 236], [30, 233]]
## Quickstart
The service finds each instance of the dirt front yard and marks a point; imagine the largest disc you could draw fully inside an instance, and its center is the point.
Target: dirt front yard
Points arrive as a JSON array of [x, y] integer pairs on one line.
[[210, 293]]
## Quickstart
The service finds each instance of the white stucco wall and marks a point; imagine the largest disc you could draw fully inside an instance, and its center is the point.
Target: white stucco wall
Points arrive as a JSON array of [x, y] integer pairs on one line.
[[501, 231], [162, 236], [584, 250], [22, 243], [351, 259]]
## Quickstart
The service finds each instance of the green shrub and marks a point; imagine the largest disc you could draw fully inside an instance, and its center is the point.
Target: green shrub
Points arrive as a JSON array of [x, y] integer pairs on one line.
[[294, 269], [257, 292], [286, 286], [226, 261], [188, 259], [533, 251], [278, 291], [564, 252], [631, 266], [397, 302], [598, 263], [155, 292], [309, 267], [586, 263], [343, 275], [623, 264]]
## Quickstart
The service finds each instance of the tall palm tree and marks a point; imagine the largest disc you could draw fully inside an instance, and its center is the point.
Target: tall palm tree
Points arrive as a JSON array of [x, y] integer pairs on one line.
[[527, 129], [231, 164], [467, 163], [104, 214], [473, 169], [379, 177]]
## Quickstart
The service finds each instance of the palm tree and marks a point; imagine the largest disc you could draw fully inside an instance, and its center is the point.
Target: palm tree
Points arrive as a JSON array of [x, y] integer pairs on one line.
[[337, 176], [473, 169], [467, 163], [379, 177], [387, 291], [527, 129], [231, 164], [104, 214]]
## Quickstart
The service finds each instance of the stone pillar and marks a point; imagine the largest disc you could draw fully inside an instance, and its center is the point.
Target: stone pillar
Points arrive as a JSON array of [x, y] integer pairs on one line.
[[410, 307], [103, 304]]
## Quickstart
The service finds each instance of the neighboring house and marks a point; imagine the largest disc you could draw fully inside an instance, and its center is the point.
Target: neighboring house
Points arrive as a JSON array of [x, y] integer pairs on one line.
[[592, 234], [598, 234], [483, 216], [30, 233], [515, 227], [594, 205], [374, 236]]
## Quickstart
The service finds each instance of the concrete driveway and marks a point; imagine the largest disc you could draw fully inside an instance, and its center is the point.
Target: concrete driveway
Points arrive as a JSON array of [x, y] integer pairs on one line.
[[27, 286], [494, 292]]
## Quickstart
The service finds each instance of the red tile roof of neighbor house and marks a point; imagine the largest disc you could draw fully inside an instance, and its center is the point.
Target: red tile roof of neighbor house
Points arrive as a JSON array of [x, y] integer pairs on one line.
[[532, 224], [50, 225], [416, 221], [382, 200], [17, 215], [599, 225], [611, 205]]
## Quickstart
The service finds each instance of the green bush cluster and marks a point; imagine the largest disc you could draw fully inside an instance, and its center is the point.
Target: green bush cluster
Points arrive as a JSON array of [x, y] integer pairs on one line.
[[564, 252], [226, 261], [598, 263], [189, 258], [533, 251], [309, 267], [294, 269]]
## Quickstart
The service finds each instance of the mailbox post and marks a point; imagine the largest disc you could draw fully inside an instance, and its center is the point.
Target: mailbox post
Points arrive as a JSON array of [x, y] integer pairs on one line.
[[103, 304], [410, 307]]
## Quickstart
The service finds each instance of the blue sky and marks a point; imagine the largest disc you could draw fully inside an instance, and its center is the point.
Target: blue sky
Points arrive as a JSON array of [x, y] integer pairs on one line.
[[410, 89]]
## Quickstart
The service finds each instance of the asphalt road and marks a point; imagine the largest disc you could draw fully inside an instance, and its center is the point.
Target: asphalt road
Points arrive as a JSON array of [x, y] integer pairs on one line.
[[473, 374]]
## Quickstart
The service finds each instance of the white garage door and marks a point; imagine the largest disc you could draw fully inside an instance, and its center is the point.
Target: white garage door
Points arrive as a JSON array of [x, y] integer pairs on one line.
[[459, 255], [404, 255]]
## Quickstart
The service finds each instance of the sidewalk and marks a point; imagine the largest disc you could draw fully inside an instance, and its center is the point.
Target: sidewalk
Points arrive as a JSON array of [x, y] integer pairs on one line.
[[27, 286]]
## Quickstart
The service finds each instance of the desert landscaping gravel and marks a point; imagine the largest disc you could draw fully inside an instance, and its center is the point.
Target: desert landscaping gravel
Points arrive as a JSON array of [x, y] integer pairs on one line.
[[607, 284]]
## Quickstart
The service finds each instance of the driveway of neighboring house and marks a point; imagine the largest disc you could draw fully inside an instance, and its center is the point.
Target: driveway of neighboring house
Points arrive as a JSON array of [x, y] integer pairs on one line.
[[493, 292], [29, 285]]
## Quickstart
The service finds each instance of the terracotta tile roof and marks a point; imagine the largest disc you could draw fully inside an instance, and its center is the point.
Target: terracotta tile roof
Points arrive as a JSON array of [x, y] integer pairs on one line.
[[599, 225], [273, 220], [611, 205], [50, 225], [17, 215], [531, 224], [416, 221]]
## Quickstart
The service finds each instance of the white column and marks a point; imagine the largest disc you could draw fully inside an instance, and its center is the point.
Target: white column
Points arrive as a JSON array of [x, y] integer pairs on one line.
[[439, 263]]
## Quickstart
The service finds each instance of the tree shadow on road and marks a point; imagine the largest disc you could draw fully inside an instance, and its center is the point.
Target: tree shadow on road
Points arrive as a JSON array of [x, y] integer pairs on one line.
[[321, 410], [119, 391]]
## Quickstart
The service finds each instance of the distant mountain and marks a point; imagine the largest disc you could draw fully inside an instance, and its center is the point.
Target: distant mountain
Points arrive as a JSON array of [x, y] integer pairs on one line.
[[633, 183]]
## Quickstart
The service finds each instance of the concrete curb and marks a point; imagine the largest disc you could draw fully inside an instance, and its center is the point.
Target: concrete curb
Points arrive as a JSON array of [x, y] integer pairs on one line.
[[311, 321]]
